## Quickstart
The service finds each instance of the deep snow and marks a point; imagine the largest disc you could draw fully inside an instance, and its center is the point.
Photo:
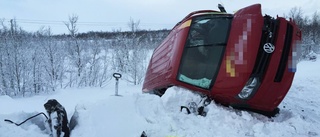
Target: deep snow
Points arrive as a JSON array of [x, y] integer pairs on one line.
[[101, 114]]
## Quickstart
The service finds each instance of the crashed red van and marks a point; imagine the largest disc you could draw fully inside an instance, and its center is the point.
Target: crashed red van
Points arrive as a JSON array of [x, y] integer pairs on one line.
[[244, 60]]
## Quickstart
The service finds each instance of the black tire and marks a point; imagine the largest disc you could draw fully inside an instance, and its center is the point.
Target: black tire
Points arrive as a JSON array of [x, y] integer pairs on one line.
[[158, 92]]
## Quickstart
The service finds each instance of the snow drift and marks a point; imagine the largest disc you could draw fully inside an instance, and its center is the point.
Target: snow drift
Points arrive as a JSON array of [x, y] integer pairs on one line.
[[100, 113]]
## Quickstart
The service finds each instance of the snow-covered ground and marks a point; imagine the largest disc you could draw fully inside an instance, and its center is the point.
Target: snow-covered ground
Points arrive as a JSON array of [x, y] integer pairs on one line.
[[101, 114]]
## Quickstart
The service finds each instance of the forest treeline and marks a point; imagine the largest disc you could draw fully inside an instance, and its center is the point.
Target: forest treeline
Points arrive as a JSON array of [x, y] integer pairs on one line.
[[310, 28], [40, 62]]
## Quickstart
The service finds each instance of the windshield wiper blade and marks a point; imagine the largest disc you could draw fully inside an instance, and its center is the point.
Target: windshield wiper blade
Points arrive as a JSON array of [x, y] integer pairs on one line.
[[205, 45], [213, 44]]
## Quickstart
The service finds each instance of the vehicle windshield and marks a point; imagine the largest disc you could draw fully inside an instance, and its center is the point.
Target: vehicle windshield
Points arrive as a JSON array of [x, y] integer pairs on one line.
[[204, 50]]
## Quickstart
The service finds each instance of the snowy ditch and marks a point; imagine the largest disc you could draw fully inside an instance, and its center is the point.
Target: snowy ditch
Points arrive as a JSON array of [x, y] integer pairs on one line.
[[100, 113]]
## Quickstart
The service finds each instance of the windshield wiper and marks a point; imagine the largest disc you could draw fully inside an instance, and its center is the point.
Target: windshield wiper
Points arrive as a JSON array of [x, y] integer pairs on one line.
[[213, 44]]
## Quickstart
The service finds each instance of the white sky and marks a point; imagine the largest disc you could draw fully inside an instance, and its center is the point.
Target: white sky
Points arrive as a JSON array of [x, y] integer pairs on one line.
[[108, 15]]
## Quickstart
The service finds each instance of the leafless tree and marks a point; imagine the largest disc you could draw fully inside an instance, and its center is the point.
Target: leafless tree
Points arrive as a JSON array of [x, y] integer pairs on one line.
[[75, 50], [72, 25], [133, 25], [315, 28], [296, 14], [135, 68]]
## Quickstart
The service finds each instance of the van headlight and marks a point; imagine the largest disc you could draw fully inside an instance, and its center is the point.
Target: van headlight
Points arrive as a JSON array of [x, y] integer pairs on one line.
[[250, 87]]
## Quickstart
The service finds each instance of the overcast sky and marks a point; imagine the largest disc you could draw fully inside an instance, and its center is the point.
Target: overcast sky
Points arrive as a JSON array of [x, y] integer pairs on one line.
[[108, 15]]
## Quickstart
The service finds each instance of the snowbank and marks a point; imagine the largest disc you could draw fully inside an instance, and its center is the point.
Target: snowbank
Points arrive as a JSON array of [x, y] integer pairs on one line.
[[100, 113]]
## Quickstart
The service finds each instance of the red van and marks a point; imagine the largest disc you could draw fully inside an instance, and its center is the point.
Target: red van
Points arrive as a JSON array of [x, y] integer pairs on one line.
[[244, 60]]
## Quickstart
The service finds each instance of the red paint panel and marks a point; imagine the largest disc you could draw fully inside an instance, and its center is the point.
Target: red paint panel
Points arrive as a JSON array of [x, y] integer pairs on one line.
[[241, 51]]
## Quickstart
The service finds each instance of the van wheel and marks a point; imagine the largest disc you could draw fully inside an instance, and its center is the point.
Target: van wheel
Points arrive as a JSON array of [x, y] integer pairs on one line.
[[272, 113], [159, 92]]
